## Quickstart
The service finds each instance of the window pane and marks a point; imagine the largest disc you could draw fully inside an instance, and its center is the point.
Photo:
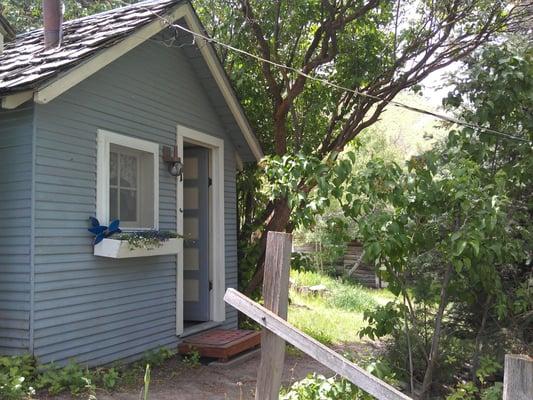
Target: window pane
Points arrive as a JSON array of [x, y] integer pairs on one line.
[[128, 171], [113, 169], [190, 168], [190, 228], [128, 205], [113, 204]]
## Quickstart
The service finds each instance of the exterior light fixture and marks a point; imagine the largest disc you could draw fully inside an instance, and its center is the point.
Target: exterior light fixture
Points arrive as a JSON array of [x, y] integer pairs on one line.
[[174, 164]]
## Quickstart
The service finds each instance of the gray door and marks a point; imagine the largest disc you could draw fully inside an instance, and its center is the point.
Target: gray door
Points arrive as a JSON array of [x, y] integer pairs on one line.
[[196, 234]]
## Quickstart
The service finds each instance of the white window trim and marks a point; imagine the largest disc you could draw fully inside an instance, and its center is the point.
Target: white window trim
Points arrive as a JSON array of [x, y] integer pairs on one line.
[[104, 140], [217, 259]]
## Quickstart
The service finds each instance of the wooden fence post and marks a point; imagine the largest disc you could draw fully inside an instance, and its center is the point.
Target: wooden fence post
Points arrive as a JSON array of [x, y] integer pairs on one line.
[[518, 377], [276, 297]]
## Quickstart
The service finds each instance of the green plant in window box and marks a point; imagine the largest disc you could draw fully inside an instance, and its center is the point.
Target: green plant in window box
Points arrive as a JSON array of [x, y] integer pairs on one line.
[[148, 240]]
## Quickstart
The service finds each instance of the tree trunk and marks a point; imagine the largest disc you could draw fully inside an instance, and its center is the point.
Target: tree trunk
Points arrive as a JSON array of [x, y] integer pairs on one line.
[[278, 222], [434, 352], [479, 340]]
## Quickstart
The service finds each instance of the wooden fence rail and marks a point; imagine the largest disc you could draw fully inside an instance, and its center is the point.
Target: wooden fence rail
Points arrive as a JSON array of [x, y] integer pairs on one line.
[[358, 376]]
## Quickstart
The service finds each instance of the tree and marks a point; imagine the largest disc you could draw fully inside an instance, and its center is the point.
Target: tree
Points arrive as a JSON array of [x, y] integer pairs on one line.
[[25, 15], [376, 48], [453, 234]]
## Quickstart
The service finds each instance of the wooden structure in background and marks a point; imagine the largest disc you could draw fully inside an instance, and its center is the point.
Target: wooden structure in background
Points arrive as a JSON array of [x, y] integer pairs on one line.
[[350, 264]]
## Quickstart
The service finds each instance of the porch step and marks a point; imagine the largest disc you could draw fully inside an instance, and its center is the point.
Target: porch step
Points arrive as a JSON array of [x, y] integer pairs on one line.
[[221, 344]]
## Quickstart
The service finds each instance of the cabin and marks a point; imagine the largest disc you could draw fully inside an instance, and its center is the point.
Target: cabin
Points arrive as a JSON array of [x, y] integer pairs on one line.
[[119, 115]]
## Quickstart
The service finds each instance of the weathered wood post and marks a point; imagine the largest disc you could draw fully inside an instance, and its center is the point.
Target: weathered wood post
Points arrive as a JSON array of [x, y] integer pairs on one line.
[[276, 297], [518, 377]]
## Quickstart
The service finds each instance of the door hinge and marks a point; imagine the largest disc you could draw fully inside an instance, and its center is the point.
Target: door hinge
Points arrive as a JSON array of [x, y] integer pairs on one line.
[[210, 285], [209, 182]]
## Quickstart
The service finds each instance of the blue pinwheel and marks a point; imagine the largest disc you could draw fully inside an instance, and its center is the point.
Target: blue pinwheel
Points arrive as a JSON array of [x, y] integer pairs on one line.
[[101, 231]]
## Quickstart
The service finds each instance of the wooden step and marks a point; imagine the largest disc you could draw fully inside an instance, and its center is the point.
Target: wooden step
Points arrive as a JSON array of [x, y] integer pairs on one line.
[[221, 343]]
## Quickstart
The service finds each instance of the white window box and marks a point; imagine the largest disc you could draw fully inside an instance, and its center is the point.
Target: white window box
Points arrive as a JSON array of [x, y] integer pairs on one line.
[[114, 248]]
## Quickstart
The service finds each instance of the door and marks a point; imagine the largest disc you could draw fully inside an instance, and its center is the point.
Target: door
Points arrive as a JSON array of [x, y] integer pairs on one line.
[[196, 234]]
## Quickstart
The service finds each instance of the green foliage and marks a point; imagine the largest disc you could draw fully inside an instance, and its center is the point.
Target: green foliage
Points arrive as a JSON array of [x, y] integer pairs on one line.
[[342, 294], [302, 262], [382, 321], [488, 367], [330, 235], [72, 378], [487, 391], [192, 359], [318, 387], [25, 15], [16, 375], [158, 356], [146, 239], [109, 378], [303, 124], [464, 391], [20, 378], [351, 297], [335, 317], [463, 207]]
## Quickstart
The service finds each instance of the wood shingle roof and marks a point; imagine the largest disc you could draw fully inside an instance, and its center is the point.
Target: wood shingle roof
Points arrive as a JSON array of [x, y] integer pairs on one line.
[[25, 64]]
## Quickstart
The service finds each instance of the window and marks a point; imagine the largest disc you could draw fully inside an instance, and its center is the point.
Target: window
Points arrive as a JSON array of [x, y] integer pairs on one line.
[[127, 181]]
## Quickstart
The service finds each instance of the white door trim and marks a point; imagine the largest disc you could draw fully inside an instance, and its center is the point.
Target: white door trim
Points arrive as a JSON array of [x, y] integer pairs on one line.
[[217, 307]]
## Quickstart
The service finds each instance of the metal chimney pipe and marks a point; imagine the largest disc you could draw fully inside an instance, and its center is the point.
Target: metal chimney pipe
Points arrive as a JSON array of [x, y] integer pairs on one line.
[[53, 21]]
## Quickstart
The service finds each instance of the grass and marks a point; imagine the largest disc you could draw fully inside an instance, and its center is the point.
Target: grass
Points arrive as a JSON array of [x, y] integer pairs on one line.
[[337, 316]]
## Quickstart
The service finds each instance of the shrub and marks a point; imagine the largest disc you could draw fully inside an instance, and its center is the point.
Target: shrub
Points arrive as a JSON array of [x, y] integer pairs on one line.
[[158, 356], [16, 374], [108, 378], [318, 387], [72, 377]]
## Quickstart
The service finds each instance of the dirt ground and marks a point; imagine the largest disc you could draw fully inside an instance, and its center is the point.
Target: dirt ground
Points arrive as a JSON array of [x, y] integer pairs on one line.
[[175, 380]]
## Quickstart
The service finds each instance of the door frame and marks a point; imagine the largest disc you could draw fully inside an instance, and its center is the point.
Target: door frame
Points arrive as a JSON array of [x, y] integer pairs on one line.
[[217, 267]]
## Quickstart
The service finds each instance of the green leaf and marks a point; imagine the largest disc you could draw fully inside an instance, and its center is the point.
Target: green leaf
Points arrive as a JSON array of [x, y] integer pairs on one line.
[[460, 247], [475, 245]]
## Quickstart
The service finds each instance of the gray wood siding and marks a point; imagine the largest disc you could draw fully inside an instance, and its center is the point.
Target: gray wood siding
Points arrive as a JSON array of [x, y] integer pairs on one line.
[[98, 310], [16, 132]]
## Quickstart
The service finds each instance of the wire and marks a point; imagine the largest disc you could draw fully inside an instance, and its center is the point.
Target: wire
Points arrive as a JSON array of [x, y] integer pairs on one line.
[[332, 84]]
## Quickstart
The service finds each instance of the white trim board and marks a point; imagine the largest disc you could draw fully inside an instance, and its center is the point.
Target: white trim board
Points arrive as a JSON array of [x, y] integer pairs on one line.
[[77, 74], [217, 307], [14, 100]]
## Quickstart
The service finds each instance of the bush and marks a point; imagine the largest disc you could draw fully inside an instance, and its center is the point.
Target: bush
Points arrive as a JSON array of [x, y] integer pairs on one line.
[[318, 387], [73, 378], [16, 375], [19, 376], [158, 356]]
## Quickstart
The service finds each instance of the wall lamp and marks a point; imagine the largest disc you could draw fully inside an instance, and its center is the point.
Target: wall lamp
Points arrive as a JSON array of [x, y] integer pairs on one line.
[[174, 164]]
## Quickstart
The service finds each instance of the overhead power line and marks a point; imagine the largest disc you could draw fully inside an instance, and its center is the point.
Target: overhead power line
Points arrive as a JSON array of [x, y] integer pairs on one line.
[[326, 82]]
